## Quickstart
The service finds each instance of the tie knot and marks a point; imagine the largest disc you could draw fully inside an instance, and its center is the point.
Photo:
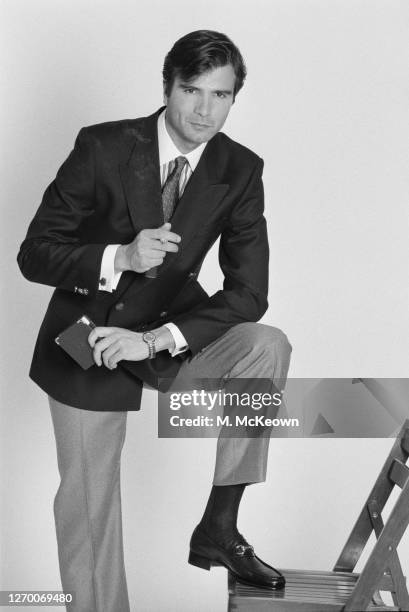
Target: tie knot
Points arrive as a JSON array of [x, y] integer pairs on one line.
[[180, 162]]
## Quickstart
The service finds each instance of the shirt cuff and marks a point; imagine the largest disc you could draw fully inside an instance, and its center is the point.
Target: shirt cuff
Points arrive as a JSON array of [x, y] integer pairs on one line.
[[108, 278], [180, 341]]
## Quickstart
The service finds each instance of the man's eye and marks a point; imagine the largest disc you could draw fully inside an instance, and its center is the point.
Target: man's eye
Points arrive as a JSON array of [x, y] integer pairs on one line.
[[220, 94], [189, 90]]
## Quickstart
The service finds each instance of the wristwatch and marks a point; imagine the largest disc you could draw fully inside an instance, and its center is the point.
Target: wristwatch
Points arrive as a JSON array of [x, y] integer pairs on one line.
[[150, 338]]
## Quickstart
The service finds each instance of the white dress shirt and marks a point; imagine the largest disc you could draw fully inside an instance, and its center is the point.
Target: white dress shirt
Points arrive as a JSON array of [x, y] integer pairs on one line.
[[168, 152]]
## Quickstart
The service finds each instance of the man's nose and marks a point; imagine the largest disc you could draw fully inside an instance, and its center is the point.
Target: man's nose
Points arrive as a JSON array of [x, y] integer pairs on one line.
[[203, 106]]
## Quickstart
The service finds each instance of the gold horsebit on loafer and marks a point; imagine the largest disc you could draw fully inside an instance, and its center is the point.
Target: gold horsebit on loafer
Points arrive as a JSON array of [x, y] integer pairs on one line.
[[244, 551]]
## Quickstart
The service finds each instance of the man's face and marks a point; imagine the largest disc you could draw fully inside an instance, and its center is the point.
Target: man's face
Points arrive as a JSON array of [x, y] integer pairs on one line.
[[196, 110]]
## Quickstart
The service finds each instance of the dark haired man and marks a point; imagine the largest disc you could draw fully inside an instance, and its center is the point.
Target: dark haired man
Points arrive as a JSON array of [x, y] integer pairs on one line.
[[121, 233]]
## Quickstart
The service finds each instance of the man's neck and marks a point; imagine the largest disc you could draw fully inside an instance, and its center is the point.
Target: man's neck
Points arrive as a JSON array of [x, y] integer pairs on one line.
[[182, 147], [169, 149]]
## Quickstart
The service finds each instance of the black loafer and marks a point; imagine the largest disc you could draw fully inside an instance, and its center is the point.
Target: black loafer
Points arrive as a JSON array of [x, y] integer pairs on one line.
[[238, 557]]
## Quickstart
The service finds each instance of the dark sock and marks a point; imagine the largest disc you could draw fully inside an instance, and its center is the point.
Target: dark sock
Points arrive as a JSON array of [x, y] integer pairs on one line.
[[220, 516]]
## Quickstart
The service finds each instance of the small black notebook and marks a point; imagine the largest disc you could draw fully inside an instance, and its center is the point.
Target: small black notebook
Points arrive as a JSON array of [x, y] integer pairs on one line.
[[74, 341]]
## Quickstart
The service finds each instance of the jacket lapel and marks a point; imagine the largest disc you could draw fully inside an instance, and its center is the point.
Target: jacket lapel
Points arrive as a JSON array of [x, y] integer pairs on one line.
[[203, 192], [141, 178], [200, 200]]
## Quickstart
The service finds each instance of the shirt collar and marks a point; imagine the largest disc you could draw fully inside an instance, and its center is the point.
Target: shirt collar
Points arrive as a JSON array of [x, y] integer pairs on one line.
[[168, 151]]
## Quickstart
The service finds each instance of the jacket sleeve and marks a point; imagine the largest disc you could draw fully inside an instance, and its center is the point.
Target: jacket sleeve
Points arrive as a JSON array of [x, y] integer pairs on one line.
[[243, 258], [52, 252]]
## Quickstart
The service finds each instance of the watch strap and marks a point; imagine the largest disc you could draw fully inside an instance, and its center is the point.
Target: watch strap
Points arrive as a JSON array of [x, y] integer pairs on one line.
[[150, 338]]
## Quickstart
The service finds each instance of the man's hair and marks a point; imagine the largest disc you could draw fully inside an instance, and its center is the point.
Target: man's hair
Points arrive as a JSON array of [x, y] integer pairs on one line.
[[197, 53]]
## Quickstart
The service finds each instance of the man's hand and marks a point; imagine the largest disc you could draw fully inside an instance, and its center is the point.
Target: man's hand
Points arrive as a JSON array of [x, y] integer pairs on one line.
[[112, 344], [147, 250]]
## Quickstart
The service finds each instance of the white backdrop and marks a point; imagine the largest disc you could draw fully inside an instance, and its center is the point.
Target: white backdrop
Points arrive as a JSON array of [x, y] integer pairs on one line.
[[325, 105]]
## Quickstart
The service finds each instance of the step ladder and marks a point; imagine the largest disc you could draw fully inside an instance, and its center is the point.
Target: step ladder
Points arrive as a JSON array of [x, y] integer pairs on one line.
[[342, 589]]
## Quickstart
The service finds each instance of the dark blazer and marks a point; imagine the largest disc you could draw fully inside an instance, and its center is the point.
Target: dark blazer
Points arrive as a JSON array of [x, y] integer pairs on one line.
[[106, 192]]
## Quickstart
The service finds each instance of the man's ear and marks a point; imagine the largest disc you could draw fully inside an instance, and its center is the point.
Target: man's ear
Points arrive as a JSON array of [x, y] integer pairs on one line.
[[165, 97]]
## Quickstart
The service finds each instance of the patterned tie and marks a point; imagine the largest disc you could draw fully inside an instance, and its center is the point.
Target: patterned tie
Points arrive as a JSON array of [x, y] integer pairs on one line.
[[170, 191], [170, 197]]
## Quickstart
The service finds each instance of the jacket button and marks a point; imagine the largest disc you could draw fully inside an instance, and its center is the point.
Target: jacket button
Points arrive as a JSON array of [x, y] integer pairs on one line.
[[163, 314], [192, 274], [119, 306]]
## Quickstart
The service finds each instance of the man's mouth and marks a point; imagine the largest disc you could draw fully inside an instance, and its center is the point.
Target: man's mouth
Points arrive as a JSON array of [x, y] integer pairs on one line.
[[200, 125]]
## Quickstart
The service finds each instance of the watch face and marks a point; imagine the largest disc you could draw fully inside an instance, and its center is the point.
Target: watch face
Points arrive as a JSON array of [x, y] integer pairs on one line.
[[149, 336]]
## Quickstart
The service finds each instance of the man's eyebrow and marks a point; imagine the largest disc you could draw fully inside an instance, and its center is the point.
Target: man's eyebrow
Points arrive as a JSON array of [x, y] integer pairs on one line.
[[224, 91]]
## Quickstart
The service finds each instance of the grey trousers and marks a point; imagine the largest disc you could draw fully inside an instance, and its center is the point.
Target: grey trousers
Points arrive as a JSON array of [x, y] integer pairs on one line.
[[87, 506]]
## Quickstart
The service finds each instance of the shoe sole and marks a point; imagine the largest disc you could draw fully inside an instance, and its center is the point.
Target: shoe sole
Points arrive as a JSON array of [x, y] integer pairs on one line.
[[206, 563]]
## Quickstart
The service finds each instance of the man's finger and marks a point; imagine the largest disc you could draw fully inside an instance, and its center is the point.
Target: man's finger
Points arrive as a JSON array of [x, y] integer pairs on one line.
[[100, 332], [166, 235], [165, 246], [156, 250], [115, 359], [153, 261], [101, 346], [108, 354]]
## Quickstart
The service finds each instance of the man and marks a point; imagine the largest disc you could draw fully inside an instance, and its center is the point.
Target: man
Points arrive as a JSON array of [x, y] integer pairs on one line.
[[122, 233]]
